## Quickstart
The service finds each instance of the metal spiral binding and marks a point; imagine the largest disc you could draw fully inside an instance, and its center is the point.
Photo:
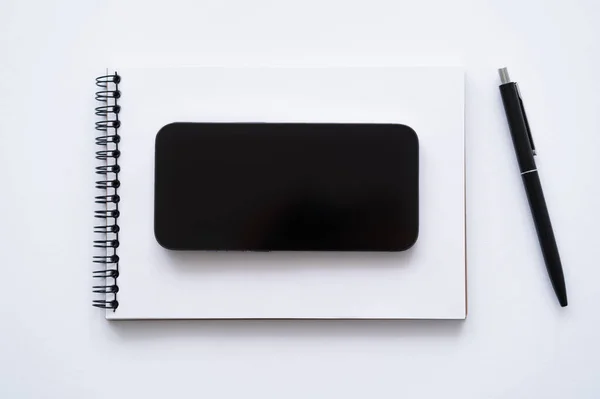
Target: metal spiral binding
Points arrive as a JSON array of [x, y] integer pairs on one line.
[[108, 171]]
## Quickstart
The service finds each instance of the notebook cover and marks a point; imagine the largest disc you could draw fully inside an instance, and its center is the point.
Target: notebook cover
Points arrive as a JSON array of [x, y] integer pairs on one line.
[[427, 281]]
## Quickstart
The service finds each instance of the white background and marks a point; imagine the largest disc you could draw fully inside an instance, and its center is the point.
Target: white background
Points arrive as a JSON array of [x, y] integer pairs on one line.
[[516, 342]]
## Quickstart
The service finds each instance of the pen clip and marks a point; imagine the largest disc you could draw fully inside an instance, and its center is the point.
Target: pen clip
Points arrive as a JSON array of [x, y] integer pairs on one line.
[[526, 121]]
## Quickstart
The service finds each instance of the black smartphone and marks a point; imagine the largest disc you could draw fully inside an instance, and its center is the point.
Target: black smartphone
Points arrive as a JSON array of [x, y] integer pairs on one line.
[[286, 187]]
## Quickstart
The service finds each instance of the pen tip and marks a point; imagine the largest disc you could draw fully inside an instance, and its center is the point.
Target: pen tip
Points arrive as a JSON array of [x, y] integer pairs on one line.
[[563, 302]]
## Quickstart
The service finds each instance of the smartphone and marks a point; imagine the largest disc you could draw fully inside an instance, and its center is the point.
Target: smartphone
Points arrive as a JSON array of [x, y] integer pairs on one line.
[[286, 187]]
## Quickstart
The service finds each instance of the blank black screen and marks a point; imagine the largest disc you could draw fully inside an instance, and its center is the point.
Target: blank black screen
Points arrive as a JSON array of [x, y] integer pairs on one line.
[[286, 187]]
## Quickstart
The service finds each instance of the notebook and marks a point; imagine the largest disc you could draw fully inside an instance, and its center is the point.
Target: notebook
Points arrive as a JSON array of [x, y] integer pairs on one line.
[[137, 278]]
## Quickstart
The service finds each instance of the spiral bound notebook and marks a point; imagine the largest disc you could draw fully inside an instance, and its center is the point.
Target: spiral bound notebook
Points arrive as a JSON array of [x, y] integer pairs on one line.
[[138, 279]]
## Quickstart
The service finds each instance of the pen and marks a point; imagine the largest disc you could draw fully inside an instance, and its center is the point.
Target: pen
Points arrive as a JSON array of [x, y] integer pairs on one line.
[[525, 150]]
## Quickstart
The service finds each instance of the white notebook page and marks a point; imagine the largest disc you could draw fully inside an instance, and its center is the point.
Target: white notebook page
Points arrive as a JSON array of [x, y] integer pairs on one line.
[[427, 281]]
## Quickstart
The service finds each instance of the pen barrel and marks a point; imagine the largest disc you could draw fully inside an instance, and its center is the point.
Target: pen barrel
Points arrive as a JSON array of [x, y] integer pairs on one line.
[[517, 126], [543, 226]]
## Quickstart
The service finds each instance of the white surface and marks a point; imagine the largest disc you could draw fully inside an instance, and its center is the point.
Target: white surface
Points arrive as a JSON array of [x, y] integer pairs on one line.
[[516, 341], [427, 281]]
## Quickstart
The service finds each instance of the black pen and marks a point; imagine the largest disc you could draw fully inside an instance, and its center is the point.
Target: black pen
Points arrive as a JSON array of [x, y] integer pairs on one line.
[[523, 142]]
